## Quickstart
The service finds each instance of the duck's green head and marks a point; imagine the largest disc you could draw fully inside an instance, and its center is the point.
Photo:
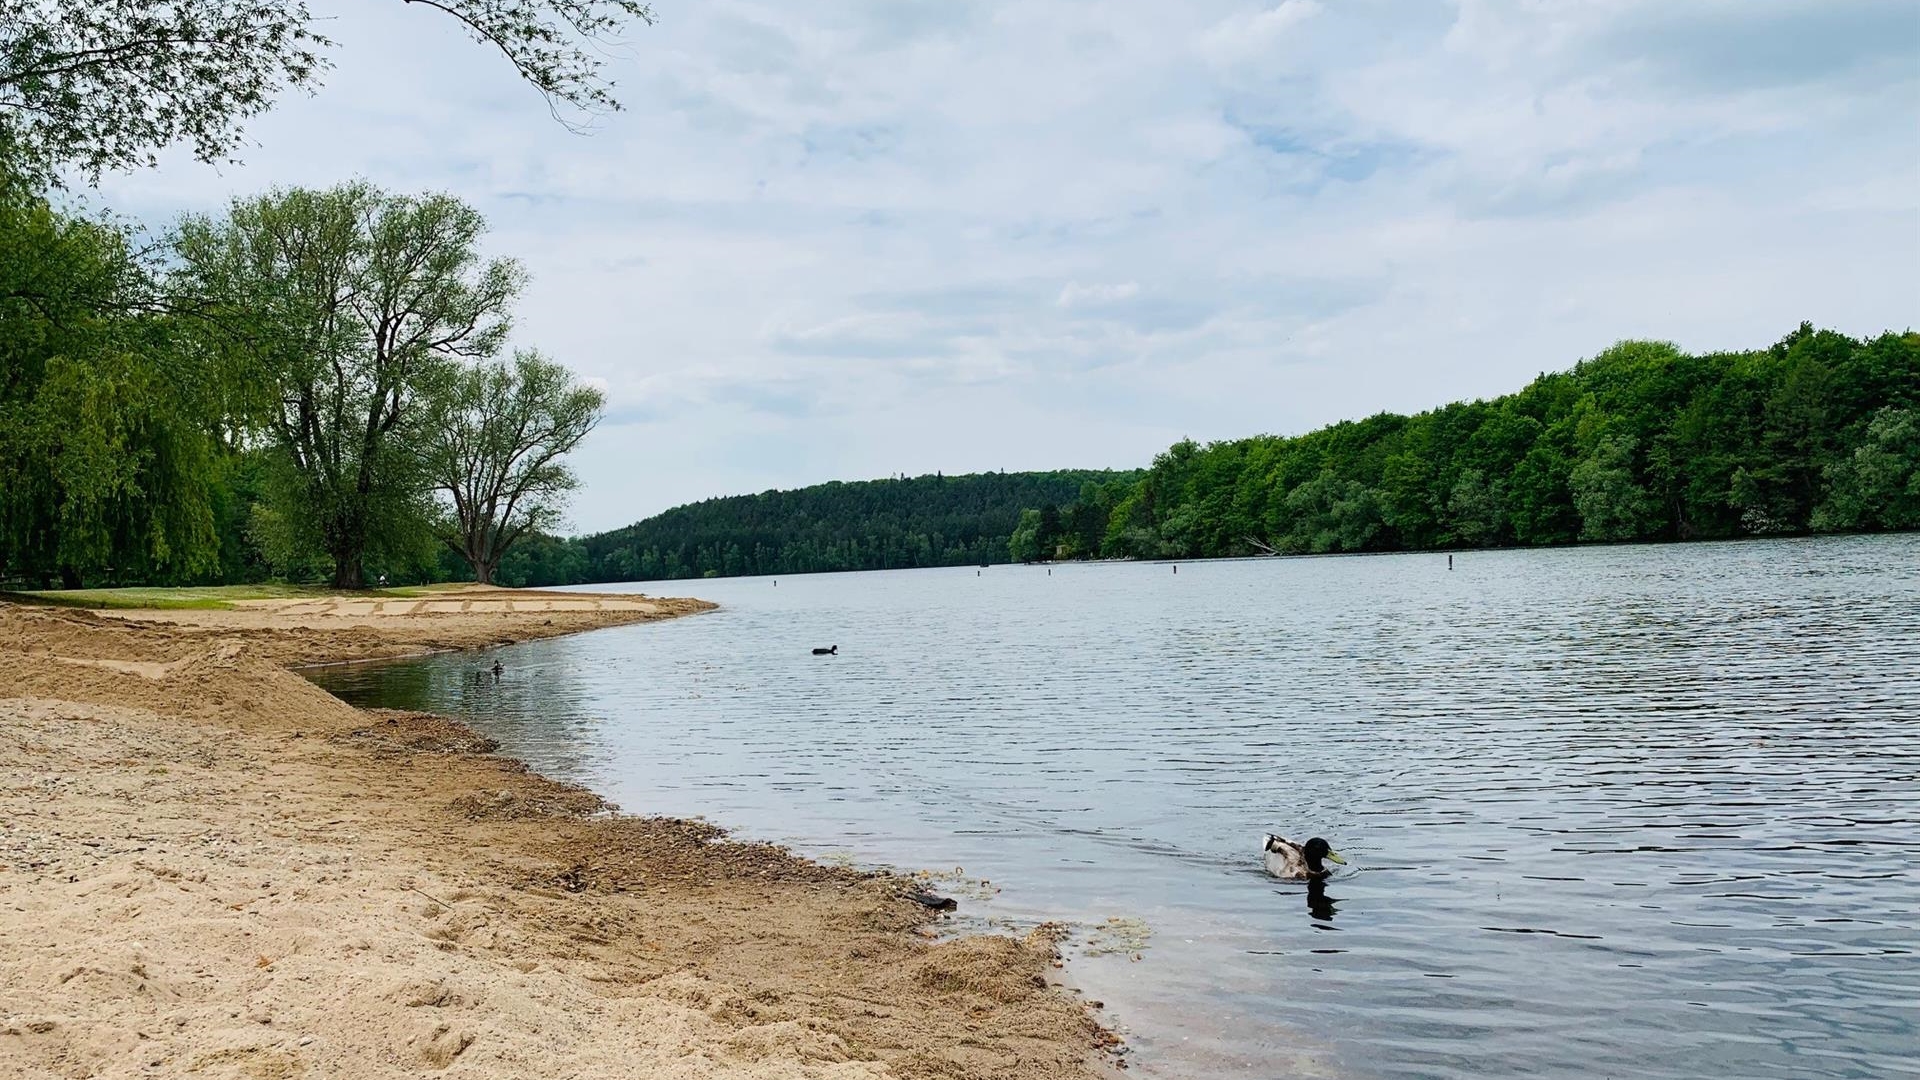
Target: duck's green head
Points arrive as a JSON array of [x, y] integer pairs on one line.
[[1317, 849]]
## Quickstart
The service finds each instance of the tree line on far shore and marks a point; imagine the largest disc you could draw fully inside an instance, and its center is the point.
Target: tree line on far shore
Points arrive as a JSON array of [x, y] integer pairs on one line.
[[1818, 433], [891, 524]]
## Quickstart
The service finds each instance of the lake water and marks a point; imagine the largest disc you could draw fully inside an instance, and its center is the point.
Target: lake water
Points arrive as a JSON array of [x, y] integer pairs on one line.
[[1625, 811]]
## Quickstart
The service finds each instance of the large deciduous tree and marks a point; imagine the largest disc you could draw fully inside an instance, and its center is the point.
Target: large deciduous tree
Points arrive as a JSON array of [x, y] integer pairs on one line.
[[346, 309], [493, 447], [106, 83]]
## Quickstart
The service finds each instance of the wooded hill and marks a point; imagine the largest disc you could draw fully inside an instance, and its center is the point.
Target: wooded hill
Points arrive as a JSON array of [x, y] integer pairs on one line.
[[863, 525], [1817, 433]]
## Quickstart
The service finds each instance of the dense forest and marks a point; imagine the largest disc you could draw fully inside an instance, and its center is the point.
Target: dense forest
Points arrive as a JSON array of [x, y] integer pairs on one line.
[[865, 525], [1819, 433]]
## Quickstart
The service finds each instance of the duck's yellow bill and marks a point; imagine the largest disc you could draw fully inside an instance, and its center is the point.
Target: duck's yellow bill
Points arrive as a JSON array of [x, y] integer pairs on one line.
[[1335, 856]]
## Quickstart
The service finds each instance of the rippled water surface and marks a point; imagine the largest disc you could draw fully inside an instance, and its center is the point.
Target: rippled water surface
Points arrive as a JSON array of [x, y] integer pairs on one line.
[[1632, 811]]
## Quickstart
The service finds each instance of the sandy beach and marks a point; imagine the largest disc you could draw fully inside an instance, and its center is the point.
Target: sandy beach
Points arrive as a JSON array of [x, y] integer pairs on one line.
[[209, 867]]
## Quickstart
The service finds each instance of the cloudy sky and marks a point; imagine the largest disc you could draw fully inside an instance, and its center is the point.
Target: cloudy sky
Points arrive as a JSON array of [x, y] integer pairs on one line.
[[852, 238]]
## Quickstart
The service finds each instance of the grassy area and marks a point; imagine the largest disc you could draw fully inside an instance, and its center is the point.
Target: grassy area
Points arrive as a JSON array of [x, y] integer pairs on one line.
[[203, 597]]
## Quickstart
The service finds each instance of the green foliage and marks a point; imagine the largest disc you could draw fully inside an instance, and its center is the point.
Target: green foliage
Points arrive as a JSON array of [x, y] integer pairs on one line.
[[346, 311], [283, 409], [1041, 535], [866, 525], [1611, 503], [1476, 507], [557, 46], [1328, 513], [1642, 442], [1024, 545], [104, 469], [105, 84], [541, 560], [1878, 485], [493, 443]]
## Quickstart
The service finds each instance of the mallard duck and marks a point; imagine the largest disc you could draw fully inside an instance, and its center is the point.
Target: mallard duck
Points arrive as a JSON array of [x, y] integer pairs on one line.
[[1298, 862]]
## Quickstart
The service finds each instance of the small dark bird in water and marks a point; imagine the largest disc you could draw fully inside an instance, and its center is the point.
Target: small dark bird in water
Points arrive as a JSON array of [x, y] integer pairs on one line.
[[834, 651], [1297, 862]]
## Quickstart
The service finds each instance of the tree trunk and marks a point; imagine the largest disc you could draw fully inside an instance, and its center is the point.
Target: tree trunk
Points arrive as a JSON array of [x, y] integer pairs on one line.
[[348, 573], [483, 571], [69, 578]]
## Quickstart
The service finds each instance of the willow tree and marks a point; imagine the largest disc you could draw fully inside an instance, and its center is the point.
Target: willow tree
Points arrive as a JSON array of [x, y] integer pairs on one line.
[[346, 310], [493, 448], [105, 454], [105, 84]]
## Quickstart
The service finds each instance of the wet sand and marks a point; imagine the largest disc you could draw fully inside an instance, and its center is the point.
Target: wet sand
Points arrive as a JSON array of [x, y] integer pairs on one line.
[[209, 867]]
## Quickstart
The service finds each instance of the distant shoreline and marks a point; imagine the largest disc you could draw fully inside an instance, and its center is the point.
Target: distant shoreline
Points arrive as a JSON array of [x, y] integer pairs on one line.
[[1199, 559]]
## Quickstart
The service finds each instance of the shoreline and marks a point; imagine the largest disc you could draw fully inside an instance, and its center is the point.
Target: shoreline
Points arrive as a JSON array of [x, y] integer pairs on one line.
[[210, 866], [1157, 560]]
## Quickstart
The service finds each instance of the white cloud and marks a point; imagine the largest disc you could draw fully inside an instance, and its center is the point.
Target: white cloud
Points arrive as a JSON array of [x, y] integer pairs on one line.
[[1253, 35], [1078, 295]]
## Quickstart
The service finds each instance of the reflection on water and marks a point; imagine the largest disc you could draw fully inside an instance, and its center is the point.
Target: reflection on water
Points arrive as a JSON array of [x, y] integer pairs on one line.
[[1644, 811], [1321, 906]]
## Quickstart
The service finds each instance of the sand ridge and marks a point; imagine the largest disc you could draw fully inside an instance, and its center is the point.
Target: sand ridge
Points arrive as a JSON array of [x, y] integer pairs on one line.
[[209, 867], [334, 629]]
